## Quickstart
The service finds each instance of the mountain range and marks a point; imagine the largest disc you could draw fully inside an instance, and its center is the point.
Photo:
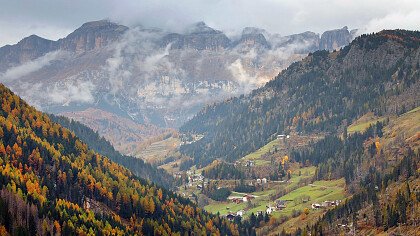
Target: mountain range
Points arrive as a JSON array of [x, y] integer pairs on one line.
[[148, 79]]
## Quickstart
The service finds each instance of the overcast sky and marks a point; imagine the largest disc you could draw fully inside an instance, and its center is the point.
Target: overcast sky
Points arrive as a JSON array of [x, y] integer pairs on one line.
[[54, 19]]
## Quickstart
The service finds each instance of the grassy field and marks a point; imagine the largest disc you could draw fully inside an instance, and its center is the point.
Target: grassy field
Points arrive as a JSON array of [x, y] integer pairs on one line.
[[364, 122], [404, 127], [256, 156], [320, 191], [304, 173], [157, 151]]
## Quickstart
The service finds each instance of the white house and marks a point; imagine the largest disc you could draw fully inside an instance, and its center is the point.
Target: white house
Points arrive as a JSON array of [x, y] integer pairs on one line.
[[240, 213], [281, 136], [247, 197], [264, 180], [270, 210], [316, 206]]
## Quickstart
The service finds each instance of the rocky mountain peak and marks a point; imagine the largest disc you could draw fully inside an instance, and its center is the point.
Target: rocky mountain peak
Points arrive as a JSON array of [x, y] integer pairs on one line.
[[300, 43], [25, 50], [34, 42], [100, 26], [334, 39], [199, 37], [32, 38], [202, 28], [92, 35], [252, 36], [254, 30]]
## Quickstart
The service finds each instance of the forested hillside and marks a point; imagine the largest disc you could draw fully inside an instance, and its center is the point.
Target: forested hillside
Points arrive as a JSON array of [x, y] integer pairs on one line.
[[322, 93], [103, 147], [52, 183], [385, 202]]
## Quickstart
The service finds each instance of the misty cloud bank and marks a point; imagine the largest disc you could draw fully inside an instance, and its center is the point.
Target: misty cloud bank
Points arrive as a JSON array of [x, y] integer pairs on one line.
[[30, 66], [40, 93], [160, 76], [71, 91], [285, 17]]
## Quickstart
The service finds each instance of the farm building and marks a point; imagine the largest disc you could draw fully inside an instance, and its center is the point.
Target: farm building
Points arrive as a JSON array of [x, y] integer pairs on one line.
[[281, 136], [270, 210], [247, 197], [249, 163], [316, 206], [280, 204], [237, 200]]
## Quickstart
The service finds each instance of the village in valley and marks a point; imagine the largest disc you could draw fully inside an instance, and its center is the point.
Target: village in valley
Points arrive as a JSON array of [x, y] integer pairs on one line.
[[266, 184]]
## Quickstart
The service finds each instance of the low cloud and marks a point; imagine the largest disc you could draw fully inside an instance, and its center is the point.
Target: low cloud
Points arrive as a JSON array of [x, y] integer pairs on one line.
[[41, 96], [245, 81], [151, 62], [22, 18], [398, 20], [137, 53], [30, 66], [71, 91]]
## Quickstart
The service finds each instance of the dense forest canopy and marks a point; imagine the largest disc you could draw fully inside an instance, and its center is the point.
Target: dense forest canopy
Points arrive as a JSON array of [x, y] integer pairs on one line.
[[51, 182], [101, 145]]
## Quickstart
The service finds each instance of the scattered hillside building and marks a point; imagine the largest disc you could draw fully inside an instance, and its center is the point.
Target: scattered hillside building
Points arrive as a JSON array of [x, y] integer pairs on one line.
[[178, 175], [240, 213], [247, 197], [237, 163], [316, 206], [86, 204], [280, 204], [283, 136], [249, 163], [237, 200], [326, 204], [270, 210]]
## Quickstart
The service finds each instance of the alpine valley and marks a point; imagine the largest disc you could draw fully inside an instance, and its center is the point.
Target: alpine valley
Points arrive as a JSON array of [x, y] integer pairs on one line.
[[144, 131]]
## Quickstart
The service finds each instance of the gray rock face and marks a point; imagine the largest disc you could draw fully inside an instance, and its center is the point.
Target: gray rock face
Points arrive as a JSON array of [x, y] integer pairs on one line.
[[27, 49], [147, 75], [334, 39], [198, 37], [92, 35], [254, 37], [302, 43]]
